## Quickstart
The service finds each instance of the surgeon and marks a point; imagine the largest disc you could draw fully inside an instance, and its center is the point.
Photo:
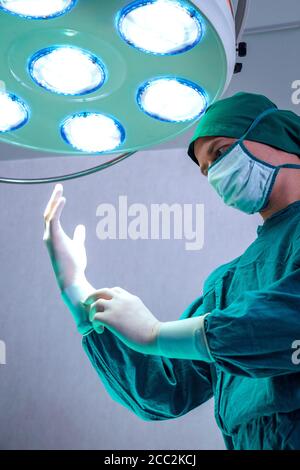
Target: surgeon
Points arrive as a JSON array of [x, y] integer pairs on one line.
[[240, 340]]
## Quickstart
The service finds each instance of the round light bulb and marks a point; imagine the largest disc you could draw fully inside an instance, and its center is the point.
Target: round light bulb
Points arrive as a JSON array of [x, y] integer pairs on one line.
[[172, 99], [13, 112], [37, 9], [160, 26], [92, 132], [67, 70]]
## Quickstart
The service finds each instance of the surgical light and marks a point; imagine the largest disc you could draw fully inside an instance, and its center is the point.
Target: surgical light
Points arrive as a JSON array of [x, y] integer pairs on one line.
[[67, 70], [161, 27], [172, 99], [13, 112], [88, 77], [37, 9], [91, 132]]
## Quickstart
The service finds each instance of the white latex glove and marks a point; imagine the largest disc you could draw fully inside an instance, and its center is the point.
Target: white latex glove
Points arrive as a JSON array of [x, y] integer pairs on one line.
[[69, 260], [129, 319], [68, 256], [126, 316]]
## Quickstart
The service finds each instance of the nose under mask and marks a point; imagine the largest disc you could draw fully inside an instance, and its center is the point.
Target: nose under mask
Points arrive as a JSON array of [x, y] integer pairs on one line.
[[242, 181]]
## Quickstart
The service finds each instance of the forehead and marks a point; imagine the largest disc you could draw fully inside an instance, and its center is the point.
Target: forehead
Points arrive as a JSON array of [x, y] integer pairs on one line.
[[204, 146], [203, 143]]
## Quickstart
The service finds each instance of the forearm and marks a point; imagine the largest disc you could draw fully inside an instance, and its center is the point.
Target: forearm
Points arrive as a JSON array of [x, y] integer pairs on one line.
[[154, 387], [128, 318], [151, 386], [73, 296], [183, 339]]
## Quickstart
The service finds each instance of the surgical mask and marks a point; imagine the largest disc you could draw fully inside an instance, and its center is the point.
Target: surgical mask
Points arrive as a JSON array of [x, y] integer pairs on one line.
[[241, 179]]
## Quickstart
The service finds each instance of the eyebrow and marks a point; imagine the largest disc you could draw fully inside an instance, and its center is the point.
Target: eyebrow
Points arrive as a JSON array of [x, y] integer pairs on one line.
[[212, 145]]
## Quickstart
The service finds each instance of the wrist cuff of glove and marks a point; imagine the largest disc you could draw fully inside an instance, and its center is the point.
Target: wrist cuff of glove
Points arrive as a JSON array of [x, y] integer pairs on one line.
[[72, 296], [184, 339]]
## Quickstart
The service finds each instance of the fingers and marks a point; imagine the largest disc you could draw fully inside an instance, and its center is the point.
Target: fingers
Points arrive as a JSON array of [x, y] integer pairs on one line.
[[79, 234], [51, 222], [99, 329], [118, 289], [57, 193], [104, 293], [53, 211], [57, 210], [97, 309]]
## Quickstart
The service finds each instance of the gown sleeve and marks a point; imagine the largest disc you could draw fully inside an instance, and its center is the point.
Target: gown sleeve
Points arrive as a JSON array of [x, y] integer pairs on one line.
[[254, 335], [152, 387]]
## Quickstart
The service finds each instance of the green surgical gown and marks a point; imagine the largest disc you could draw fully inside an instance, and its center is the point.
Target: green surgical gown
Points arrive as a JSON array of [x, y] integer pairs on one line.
[[254, 305]]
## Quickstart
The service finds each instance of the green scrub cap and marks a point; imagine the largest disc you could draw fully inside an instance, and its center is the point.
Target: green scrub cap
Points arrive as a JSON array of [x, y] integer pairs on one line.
[[231, 117]]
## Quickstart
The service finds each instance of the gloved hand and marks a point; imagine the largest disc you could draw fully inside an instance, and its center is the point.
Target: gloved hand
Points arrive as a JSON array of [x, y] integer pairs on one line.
[[129, 319], [68, 256], [126, 316], [69, 260]]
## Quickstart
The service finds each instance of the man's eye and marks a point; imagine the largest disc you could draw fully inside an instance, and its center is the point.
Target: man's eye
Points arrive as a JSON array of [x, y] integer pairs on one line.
[[220, 151]]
